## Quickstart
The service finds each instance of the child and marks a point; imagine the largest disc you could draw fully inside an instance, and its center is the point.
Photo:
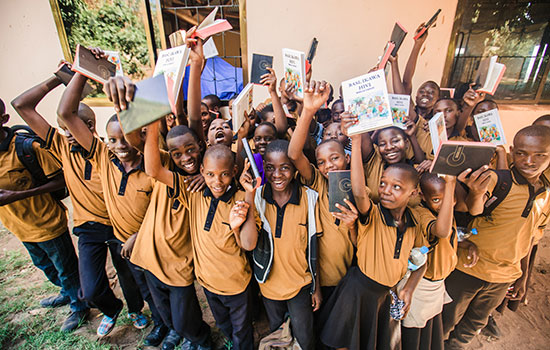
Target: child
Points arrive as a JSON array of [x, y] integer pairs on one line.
[[39, 221], [91, 220], [125, 186], [451, 113], [206, 117], [264, 134], [500, 160], [334, 132], [213, 103], [357, 315], [286, 257], [336, 109], [503, 238], [422, 328], [335, 246]]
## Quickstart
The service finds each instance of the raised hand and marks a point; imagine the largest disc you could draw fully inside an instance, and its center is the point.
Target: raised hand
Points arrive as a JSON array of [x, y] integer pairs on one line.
[[246, 180], [315, 95], [238, 214], [471, 97], [269, 80], [196, 55], [119, 90], [346, 120], [478, 181], [347, 216]]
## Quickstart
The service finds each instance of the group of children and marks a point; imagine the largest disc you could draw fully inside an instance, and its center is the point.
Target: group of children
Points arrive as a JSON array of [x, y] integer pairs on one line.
[[176, 202]]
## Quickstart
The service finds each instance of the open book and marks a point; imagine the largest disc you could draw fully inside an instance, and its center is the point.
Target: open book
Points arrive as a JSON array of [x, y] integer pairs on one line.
[[171, 63], [243, 103], [489, 128], [453, 157], [88, 65], [489, 75], [210, 25]]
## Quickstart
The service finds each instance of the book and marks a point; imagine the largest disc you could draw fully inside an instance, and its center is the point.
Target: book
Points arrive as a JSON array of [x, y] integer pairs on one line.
[[438, 130], [428, 24], [88, 65], [311, 53], [387, 52], [339, 188], [446, 93], [150, 103], [489, 75], [294, 65], [209, 49], [177, 38], [399, 105], [366, 97], [114, 57], [260, 63], [171, 63], [397, 36], [489, 128], [210, 25], [65, 74], [243, 103], [254, 169], [453, 157]]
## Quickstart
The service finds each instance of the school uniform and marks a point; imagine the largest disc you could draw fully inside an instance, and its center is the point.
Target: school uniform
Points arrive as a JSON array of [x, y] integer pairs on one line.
[[423, 327], [127, 196], [40, 221], [163, 249], [94, 230], [288, 278], [424, 140], [357, 316], [503, 239], [221, 265]]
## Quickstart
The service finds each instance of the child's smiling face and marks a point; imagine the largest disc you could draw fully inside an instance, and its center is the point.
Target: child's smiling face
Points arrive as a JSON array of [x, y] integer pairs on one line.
[[185, 152], [116, 142], [392, 145], [218, 174], [330, 157], [279, 170], [263, 135], [426, 95]]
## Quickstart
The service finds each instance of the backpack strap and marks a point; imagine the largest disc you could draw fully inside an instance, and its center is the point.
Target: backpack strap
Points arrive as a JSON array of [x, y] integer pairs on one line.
[[501, 190], [312, 197], [27, 156]]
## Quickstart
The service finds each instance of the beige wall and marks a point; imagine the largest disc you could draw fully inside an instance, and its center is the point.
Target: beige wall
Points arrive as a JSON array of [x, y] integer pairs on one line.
[[351, 33]]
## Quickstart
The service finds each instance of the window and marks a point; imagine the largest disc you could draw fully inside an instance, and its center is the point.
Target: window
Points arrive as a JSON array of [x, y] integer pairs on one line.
[[518, 32]]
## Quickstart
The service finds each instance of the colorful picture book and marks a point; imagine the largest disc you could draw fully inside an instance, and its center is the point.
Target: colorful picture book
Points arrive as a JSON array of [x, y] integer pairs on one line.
[[150, 103], [438, 131], [367, 97], [294, 65], [171, 63], [210, 25], [453, 157], [489, 128], [387, 52], [88, 65], [339, 188], [114, 57], [397, 36], [489, 75], [243, 103], [399, 105], [428, 24], [260, 63]]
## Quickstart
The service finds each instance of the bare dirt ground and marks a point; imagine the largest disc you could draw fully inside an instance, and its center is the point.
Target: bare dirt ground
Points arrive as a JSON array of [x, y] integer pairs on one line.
[[528, 328]]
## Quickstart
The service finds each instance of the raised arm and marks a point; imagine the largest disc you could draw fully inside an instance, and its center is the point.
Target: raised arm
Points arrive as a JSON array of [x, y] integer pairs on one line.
[[398, 87], [68, 112], [470, 99], [196, 59], [413, 58], [281, 123], [25, 104], [419, 155], [358, 185], [244, 226], [315, 95], [153, 164], [444, 224]]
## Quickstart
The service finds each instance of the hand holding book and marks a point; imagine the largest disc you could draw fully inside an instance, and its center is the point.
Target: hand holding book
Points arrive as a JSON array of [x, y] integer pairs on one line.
[[120, 91], [196, 54], [269, 80]]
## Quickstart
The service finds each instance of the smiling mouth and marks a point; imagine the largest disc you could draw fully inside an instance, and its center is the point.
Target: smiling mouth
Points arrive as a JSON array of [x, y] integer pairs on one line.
[[122, 154], [190, 166], [392, 155], [279, 183], [424, 100]]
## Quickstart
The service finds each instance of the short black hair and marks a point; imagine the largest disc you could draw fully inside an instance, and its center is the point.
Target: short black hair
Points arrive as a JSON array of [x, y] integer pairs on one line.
[[278, 145], [542, 118], [408, 169], [534, 131], [264, 111], [180, 130], [485, 101], [268, 124], [219, 151], [214, 100], [336, 102], [429, 178], [2, 107], [336, 142], [434, 84], [113, 119], [457, 104], [399, 131], [323, 115]]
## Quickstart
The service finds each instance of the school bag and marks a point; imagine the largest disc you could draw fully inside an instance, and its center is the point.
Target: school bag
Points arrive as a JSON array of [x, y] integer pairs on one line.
[[27, 156], [280, 339], [501, 190]]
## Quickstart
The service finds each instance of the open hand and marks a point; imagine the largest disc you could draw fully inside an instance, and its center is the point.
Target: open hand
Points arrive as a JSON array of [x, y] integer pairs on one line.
[[478, 181], [346, 121], [195, 183], [238, 214], [315, 94], [269, 80]]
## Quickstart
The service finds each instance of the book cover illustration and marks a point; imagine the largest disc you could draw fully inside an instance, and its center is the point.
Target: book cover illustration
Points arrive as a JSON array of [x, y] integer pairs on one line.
[[399, 105], [114, 58], [150, 103], [453, 157], [294, 64], [260, 63], [367, 97], [339, 188], [171, 63], [489, 127], [88, 65], [438, 131], [243, 103]]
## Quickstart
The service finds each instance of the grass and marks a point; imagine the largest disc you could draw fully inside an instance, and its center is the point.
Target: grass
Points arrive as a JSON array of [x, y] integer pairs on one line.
[[23, 325]]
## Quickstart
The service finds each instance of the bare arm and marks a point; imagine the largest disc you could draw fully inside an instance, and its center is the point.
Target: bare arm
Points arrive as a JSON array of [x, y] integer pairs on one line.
[[477, 183], [7, 196], [444, 224], [413, 58], [419, 155], [25, 104], [398, 87], [246, 233], [196, 58], [406, 293], [358, 185], [281, 123], [153, 164]]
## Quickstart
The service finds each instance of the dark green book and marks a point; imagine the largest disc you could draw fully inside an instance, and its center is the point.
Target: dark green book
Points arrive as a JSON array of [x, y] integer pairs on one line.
[[150, 103], [339, 188], [260, 63]]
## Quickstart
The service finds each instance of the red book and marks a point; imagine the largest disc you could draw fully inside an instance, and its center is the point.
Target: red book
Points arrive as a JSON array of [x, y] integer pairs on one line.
[[387, 52], [397, 36], [218, 26], [427, 25]]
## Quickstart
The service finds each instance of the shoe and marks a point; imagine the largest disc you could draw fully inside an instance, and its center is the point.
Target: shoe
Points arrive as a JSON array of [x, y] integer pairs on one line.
[[55, 301], [228, 344], [491, 329], [107, 324], [75, 320], [156, 336], [138, 320], [187, 345], [171, 341]]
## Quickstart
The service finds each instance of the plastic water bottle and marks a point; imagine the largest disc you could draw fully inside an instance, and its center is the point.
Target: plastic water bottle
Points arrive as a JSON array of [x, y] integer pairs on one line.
[[463, 233], [418, 258]]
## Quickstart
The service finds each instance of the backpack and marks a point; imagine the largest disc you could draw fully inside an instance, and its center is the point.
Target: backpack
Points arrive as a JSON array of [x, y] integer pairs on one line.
[[27, 156], [501, 190]]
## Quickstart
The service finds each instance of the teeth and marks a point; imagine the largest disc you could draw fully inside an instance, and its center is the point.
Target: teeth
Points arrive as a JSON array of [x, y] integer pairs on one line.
[[122, 154], [424, 100]]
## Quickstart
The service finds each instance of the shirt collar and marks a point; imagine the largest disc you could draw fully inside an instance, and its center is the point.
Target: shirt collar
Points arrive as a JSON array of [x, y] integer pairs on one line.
[[117, 162], [226, 196], [425, 205], [4, 145], [294, 197], [389, 220]]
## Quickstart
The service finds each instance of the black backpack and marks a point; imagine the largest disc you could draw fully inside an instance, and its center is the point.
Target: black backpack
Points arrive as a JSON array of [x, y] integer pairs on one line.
[[27, 156], [501, 190]]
